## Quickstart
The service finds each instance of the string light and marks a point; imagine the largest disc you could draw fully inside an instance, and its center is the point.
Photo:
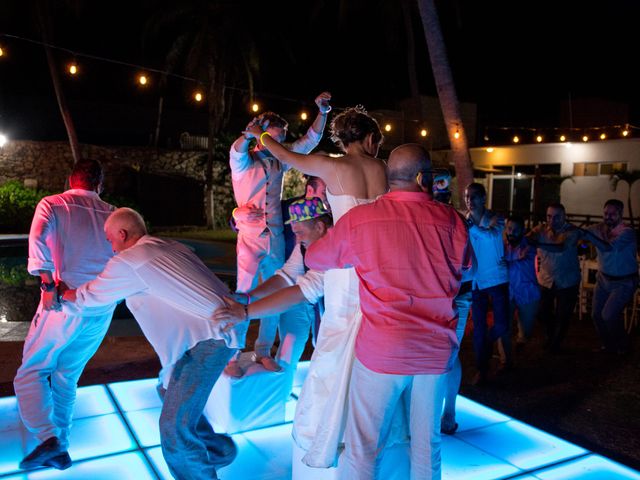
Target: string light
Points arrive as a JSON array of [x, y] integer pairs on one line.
[[490, 150], [142, 79], [424, 132], [1, 52], [197, 96], [562, 138], [304, 116], [387, 127], [625, 132], [255, 107], [456, 135], [73, 68], [603, 136], [3, 140], [516, 139], [585, 138], [539, 138]]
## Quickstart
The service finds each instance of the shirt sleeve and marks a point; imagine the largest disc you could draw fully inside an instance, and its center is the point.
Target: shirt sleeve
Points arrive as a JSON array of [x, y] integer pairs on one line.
[[621, 241], [307, 142], [239, 161], [312, 285], [116, 282], [334, 249], [293, 267], [42, 227]]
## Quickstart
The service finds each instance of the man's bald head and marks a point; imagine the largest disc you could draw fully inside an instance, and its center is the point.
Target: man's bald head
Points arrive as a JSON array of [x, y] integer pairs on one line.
[[404, 165], [124, 228]]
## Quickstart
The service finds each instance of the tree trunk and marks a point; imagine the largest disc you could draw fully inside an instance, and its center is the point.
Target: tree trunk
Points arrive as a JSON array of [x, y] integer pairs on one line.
[[411, 63], [55, 78], [216, 109], [447, 95]]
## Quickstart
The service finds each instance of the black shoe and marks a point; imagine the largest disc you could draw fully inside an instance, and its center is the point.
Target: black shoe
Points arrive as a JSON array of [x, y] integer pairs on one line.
[[46, 452], [61, 462]]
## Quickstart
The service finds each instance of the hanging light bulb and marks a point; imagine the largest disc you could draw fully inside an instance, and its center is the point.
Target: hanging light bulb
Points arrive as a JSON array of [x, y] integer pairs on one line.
[[585, 138], [1, 52], [142, 79], [197, 96], [516, 139], [562, 138], [424, 132], [603, 136], [304, 116], [255, 107], [625, 132], [539, 138], [73, 68], [387, 127]]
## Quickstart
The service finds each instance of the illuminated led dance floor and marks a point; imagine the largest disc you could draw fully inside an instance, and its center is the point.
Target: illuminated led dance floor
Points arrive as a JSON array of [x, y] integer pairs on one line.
[[115, 436]]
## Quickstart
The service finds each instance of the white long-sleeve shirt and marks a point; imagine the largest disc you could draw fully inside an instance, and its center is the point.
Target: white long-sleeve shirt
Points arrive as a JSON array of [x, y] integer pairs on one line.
[[257, 180], [67, 239], [311, 282], [171, 293]]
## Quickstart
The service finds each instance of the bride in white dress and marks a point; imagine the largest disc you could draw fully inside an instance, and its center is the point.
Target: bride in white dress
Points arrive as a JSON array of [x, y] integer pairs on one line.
[[357, 177]]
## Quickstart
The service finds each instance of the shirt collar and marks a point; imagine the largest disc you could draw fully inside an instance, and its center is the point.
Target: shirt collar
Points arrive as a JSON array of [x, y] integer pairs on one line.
[[82, 192]]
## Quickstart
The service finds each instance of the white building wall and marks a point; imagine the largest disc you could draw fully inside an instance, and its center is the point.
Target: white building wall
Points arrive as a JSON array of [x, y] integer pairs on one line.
[[584, 195]]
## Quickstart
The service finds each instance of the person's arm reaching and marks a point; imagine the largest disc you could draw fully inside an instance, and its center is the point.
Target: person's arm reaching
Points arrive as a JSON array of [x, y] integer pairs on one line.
[[334, 249]]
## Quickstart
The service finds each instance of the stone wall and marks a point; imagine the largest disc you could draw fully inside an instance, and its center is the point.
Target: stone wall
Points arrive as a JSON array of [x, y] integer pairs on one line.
[[46, 165]]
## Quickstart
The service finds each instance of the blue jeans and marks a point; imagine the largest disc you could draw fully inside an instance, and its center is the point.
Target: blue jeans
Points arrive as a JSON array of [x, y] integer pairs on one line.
[[609, 299], [190, 446], [483, 338]]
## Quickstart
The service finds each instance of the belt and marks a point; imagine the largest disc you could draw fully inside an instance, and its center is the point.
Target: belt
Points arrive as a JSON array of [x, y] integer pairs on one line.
[[619, 277]]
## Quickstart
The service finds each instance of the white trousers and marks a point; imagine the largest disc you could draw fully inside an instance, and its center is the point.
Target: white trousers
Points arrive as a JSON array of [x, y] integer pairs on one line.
[[56, 350], [373, 399], [258, 259]]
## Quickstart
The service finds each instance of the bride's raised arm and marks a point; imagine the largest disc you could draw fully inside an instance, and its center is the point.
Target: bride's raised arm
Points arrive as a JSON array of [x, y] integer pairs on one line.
[[314, 164]]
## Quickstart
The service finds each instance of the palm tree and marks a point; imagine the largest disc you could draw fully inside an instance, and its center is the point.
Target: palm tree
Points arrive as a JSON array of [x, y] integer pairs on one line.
[[43, 12], [629, 177], [447, 95], [206, 46]]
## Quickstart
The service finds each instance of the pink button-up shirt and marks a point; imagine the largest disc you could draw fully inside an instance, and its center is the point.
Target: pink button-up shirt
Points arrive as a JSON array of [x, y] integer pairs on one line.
[[256, 177], [408, 252]]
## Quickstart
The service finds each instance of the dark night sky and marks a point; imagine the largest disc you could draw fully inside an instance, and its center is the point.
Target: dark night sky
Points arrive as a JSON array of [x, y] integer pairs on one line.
[[517, 60]]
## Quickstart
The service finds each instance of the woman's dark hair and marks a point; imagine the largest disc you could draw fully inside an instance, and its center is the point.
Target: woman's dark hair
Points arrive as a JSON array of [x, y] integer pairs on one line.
[[353, 125]]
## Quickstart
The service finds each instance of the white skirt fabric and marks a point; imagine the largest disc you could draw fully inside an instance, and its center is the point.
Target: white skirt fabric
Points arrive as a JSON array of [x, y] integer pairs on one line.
[[321, 411]]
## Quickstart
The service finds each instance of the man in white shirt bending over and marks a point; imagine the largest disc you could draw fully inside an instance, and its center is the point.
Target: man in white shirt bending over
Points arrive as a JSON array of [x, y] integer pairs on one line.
[[172, 295]]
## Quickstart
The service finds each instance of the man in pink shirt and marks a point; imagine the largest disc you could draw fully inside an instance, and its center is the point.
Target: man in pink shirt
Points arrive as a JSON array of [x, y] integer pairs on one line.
[[408, 252]]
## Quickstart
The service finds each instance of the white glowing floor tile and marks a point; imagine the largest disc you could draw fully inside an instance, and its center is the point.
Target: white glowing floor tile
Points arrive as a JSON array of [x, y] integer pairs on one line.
[[9, 416], [250, 462], [91, 401], [11, 450], [128, 466], [144, 424], [301, 373], [290, 409], [521, 445], [461, 460], [274, 443], [591, 467], [155, 454], [296, 391], [471, 415], [97, 436], [137, 394]]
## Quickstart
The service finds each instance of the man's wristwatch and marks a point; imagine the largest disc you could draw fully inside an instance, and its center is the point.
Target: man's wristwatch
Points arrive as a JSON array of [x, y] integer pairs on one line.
[[47, 287]]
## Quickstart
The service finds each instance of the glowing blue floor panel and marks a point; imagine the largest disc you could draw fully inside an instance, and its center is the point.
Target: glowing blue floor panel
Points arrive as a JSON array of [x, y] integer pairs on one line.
[[115, 436]]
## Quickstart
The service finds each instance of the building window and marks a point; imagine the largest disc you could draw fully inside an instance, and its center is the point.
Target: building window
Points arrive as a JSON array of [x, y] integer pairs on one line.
[[610, 168], [585, 169]]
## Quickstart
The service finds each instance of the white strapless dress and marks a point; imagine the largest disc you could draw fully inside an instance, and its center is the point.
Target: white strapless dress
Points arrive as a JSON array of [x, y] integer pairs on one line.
[[321, 411]]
